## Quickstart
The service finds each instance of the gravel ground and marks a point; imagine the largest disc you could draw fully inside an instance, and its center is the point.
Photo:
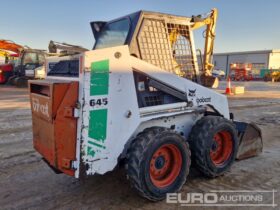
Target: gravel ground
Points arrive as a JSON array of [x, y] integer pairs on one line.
[[26, 182], [253, 85]]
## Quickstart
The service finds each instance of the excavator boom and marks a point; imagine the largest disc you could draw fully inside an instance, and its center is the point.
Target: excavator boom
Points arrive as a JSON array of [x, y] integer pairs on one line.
[[210, 22], [10, 46]]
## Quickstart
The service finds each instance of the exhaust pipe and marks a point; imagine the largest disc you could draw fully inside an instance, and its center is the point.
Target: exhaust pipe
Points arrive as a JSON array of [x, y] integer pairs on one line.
[[250, 140]]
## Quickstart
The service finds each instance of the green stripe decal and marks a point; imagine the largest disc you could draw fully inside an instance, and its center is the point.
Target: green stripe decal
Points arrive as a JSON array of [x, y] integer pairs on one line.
[[99, 78], [98, 124], [90, 151], [95, 144], [99, 82]]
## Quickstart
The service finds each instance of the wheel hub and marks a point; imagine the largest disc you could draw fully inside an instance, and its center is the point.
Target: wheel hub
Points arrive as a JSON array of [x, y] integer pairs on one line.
[[159, 162], [214, 146], [165, 165], [221, 148]]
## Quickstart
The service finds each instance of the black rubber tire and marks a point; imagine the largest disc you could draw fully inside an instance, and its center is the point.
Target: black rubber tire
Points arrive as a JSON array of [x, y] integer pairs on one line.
[[21, 82], [201, 140], [11, 80], [140, 154]]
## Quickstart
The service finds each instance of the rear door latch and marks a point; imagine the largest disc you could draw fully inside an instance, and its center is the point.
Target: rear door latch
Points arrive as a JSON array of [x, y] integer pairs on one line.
[[71, 112]]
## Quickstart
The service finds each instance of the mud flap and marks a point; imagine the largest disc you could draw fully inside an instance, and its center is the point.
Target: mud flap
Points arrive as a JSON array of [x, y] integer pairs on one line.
[[250, 140]]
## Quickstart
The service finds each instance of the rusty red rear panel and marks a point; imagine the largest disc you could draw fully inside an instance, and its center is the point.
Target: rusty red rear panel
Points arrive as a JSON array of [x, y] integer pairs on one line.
[[53, 121]]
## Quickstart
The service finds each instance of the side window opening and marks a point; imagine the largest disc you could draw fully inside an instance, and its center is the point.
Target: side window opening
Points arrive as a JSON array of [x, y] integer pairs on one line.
[[41, 59], [167, 46], [182, 58], [30, 58], [150, 93]]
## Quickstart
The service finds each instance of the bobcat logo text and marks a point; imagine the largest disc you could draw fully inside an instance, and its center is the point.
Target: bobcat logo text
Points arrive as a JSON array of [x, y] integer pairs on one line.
[[40, 108]]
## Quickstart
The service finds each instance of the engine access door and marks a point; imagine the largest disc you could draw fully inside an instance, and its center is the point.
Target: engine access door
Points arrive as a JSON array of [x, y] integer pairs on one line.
[[54, 125]]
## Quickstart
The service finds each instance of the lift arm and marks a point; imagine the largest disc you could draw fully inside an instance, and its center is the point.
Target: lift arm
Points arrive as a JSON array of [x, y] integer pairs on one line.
[[65, 48]]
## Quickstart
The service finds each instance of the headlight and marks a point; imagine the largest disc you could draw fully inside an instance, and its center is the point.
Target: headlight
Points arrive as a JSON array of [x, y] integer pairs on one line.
[[0, 71]]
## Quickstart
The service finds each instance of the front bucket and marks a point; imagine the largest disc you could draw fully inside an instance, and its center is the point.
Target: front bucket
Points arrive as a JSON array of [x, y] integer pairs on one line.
[[209, 81], [250, 140]]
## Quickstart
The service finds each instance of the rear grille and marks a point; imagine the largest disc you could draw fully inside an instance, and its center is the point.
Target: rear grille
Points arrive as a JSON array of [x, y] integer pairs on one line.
[[153, 100], [67, 68]]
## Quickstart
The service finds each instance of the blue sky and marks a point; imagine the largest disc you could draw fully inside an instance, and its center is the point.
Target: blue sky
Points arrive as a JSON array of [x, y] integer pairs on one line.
[[242, 24]]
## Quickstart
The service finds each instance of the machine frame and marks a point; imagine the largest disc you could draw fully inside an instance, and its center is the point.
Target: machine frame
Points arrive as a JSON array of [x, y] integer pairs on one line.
[[133, 98]]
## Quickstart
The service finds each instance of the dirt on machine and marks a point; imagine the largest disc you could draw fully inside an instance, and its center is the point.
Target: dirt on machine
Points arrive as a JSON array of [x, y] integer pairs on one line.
[[139, 98]]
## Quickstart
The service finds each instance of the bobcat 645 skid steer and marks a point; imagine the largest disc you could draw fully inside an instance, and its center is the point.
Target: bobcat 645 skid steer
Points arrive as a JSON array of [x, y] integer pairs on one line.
[[139, 96]]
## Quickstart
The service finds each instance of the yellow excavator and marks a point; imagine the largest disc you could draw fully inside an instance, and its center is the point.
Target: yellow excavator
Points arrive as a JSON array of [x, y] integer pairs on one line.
[[209, 20], [210, 23]]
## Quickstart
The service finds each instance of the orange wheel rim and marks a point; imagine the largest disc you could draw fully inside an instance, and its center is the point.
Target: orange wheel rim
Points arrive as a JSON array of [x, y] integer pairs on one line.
[[165, 165], [221, 148]]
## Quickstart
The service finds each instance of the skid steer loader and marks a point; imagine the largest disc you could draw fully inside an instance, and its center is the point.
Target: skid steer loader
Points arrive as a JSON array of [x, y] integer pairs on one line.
[[138, 97]]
